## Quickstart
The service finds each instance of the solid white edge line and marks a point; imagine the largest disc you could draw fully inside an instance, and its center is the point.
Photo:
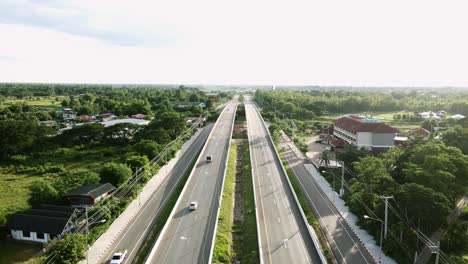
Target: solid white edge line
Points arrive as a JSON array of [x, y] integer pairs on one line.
[[222, 186], [312, 234], [166, 225]]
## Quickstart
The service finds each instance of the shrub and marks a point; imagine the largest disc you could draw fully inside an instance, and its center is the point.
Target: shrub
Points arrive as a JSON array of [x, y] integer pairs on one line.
[[115, 173]]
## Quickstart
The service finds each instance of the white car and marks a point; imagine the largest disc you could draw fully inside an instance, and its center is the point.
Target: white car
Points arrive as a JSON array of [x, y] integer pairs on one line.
[[118, 257], [208, 158], [193, 205]]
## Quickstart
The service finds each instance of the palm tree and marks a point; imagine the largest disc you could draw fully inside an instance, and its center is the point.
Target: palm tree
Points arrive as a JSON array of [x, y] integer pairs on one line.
[[325, 157]]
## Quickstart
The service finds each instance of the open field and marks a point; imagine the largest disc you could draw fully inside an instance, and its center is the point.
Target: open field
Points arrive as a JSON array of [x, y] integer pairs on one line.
[[15, 253], [41, 102], [15, 186]]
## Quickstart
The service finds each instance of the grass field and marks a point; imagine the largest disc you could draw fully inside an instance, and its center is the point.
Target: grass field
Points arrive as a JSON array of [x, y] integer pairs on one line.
[[15, 187], [42, 102], [15, 253], [223, 241]]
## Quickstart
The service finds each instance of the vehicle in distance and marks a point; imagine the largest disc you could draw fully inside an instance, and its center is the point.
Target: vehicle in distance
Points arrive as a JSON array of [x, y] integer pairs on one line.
[[208, 158], [118, 257], [193, 205]]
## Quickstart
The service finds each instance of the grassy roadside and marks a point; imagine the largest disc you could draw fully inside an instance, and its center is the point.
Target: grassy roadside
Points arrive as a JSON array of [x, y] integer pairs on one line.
[[237, 240], [308, 211], [161, 220], [223, 241], [247, 246]]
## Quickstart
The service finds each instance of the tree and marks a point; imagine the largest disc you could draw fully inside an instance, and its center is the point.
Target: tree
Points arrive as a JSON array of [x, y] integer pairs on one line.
[[373, 174], [120, 133], [137, 162], [147, 148], [115, 173], [69, 250], [425, 204], [17, 136], [84, 134], [457, 137], [43, 192], [325, 158], [352, 153]]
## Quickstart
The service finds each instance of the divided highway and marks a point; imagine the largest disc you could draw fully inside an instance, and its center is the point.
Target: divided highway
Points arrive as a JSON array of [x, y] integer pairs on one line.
[[134, 234], [283, 234], [346, 246], [188, 235]]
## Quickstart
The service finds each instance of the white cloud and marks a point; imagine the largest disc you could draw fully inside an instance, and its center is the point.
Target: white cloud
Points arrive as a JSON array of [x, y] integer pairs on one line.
[[362, 42]]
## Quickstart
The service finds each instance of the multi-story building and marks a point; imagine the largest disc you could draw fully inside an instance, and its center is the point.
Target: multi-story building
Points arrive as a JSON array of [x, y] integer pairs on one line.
[[369, 133]]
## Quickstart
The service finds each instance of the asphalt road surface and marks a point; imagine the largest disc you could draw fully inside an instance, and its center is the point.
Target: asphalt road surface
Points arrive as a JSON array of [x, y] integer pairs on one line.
[[189, 234], [283, 234], [133, 236], [345, 245]]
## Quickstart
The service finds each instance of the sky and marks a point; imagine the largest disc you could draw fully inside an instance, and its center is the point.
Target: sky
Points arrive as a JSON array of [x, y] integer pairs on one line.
[[293, 42]]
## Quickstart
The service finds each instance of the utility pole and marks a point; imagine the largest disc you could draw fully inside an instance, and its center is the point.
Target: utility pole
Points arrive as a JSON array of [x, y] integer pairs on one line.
[[87, 231], [342, 178], [385, 198]]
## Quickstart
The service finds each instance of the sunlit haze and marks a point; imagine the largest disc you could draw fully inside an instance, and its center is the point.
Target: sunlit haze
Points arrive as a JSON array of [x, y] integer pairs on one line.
[[361, 42]]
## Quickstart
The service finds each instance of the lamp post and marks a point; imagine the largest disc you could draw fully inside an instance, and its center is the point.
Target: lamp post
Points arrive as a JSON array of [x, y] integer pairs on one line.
[[381, 234], [333, 195]]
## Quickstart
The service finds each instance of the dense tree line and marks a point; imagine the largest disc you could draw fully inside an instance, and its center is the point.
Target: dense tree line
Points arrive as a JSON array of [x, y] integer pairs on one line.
[[426, 179], [311, 103]]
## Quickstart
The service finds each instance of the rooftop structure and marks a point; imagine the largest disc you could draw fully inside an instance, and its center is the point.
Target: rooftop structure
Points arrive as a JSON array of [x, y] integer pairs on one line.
[[370, 133]]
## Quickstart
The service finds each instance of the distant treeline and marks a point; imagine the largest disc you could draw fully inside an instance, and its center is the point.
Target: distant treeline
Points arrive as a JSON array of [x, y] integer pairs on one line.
[[311, 103]]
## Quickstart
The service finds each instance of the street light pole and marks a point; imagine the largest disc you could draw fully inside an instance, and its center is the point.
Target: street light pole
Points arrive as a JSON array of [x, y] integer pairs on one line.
[[381, 234], [342, 178]]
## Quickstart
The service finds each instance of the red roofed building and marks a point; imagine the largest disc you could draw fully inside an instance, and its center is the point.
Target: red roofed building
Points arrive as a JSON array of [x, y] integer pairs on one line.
[[420, 132], [139, 116], [364, 132], [85, 118]]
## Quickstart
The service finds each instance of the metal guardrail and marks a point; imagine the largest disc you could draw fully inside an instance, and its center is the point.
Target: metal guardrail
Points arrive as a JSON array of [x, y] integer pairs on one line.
[[222, 187], [312, 234]]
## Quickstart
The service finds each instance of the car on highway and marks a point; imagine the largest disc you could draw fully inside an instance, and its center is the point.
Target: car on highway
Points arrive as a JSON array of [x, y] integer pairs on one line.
[[118, 257], [208, 158], [193, 205]]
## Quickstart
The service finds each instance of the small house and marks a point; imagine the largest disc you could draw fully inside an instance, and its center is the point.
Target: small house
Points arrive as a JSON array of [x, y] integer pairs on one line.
[[420, 132], [85, 118], [106, 117], [42, 224], [89, 194], [68, 114], [138, 116]]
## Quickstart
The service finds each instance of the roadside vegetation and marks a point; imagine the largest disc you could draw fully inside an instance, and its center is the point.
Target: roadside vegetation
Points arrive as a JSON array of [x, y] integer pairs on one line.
[[39, 163], [222, 252], [427, 177], [312, 220], [236, 235]]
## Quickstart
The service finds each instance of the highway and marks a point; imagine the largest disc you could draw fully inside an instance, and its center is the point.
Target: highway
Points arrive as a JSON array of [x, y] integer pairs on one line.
[[188, 235], [283, 235], [346, 247], [134, 235]]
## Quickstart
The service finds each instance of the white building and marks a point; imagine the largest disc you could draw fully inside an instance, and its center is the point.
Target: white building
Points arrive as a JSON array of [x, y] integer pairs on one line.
[[457, 117], [43, 224], [364, 132]]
